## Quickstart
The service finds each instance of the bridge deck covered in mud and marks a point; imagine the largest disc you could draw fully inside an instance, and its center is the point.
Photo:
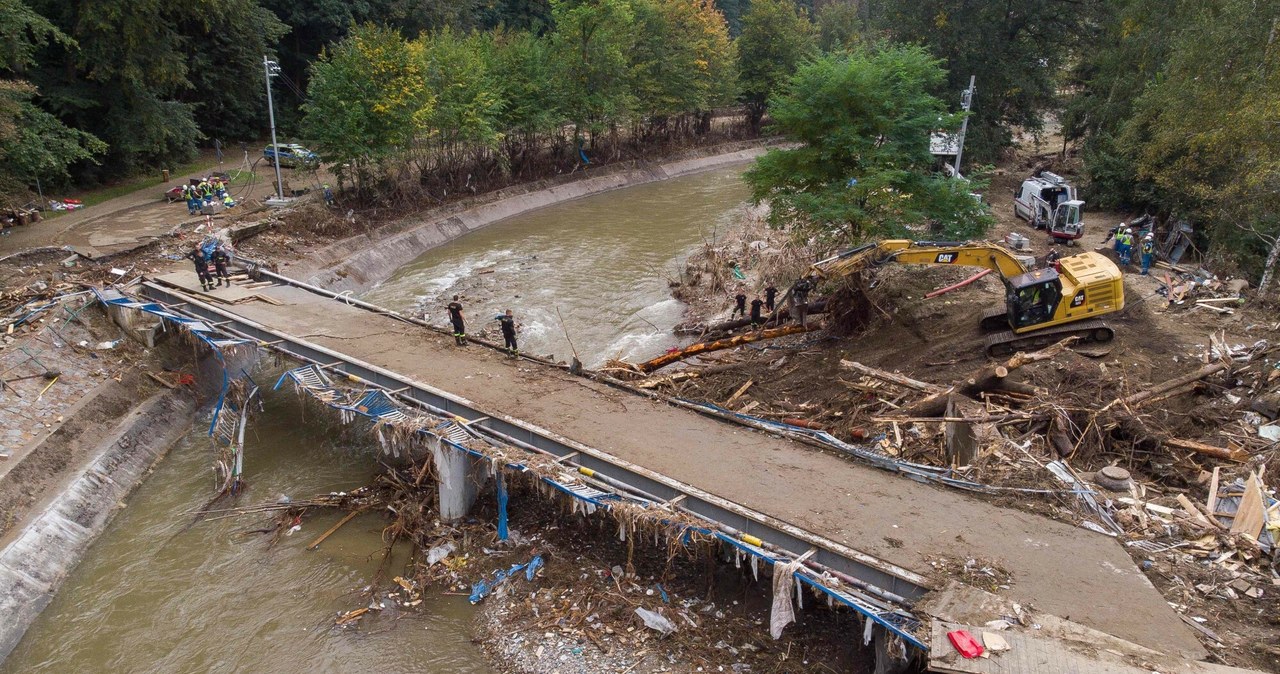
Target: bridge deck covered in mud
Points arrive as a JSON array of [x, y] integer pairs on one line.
[[886, 531]]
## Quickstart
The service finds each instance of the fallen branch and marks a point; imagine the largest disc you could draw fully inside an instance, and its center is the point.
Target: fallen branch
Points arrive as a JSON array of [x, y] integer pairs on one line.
[[707, 347], [891, 377], [1209, 450], [1176, 382]]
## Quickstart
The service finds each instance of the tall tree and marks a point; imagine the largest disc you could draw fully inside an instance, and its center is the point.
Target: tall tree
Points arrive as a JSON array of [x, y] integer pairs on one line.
[[34, 145], [862, 168], [682, 60], [776, 37], [590, 53], [1016, 49]]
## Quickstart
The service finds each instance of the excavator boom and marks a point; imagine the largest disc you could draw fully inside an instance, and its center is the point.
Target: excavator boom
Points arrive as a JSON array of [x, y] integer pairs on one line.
[[991, 256]]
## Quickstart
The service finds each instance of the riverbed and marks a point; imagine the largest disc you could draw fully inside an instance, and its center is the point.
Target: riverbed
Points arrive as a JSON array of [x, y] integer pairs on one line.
[[588, 276], [157, 594]]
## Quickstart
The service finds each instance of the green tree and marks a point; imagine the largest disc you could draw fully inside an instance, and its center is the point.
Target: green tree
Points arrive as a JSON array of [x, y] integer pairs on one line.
[[682, 61], [34, 145], [1017, 50], [775, 39], [367, 101], [590, 55], [840, 25], [863, 168]]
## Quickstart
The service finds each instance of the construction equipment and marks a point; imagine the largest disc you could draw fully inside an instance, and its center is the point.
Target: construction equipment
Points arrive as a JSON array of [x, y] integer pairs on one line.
[[1042, 305], [1049, 202]]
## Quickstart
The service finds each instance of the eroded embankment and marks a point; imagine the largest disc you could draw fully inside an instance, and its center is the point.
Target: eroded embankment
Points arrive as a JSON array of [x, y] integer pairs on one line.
[[357, 263]]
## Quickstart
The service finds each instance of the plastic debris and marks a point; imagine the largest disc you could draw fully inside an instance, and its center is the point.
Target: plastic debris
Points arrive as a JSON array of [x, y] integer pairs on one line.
[[965, 643], [484, 588], [656, 621], [439, 552]]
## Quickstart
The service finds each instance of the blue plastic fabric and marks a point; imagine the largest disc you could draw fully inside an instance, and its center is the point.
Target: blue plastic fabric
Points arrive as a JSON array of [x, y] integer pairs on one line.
[[502, 508], [484, 588]]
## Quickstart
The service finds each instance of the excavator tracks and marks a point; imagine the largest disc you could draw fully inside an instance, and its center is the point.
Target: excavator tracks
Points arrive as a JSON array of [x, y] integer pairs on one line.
[[1006, 342]]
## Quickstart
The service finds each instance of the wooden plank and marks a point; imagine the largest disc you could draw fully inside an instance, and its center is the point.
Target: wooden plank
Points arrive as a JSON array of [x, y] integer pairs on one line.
[[1212, 504], [891, 377], [1193, 511], [738, 394], [1250, 517]]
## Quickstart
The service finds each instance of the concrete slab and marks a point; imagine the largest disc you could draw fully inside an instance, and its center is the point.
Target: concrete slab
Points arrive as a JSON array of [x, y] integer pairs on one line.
[[190, 283], [1058, 568]]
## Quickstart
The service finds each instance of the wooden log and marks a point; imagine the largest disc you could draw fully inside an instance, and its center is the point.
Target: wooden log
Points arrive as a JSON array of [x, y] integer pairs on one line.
[[891, 377], [719, 344], [986, 378], [815, 307], [1209, 450], [1176, 382]]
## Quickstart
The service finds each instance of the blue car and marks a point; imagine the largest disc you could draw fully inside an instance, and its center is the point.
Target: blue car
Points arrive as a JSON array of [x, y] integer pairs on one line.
[[291, 155]]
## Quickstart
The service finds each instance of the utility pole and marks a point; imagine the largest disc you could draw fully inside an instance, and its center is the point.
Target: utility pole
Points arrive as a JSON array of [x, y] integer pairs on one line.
[[271, 69], [966, 102]]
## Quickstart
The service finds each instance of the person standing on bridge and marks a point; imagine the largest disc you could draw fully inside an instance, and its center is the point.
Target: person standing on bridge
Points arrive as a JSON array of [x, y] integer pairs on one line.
[[455, 317], [197, 256], [220, 259], [508, 323]]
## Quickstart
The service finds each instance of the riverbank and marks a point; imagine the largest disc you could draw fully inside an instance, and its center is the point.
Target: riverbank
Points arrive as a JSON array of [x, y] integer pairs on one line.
[[103, 380]]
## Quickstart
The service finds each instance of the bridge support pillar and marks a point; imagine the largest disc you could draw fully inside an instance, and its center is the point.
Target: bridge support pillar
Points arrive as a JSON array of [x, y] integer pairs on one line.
[[460, 476]]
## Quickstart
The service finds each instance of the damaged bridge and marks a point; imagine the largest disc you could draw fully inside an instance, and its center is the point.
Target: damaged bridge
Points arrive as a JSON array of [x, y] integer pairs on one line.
[[883, 535]]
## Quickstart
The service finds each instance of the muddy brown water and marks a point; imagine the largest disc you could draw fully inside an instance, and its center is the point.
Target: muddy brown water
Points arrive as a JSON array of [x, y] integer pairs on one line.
[[153, 596], [603, 261]]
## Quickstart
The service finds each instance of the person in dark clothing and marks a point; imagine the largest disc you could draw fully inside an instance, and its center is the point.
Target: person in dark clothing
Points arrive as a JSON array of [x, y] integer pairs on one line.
[[508, 324], [455, 317], [756, 320], [740, 306], [202, 268], [220, 260], [770, 294], [800, 298]]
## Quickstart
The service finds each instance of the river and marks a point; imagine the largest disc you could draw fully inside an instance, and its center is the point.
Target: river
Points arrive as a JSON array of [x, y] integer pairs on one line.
[[156, 596], [602, 261]]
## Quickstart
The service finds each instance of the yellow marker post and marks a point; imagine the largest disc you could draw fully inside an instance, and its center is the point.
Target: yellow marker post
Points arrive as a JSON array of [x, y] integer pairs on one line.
[[748, 538], [586, 471]]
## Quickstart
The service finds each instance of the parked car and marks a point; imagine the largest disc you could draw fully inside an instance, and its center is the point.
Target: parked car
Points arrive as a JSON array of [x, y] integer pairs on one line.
[[291, 155]]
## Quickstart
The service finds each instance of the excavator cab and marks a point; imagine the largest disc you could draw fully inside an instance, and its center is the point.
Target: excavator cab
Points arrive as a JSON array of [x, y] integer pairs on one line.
[[1033, 298]]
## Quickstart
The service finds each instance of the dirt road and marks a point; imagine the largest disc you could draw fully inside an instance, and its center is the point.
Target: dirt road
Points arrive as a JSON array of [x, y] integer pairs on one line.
[[1057, 568]]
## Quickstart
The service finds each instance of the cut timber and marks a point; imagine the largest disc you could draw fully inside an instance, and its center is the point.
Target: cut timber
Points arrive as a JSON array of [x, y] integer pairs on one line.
[[1176, 382], [738, 394], [1211, 505], [815, 307], [891, 377], [988, 378], [1250, 517], [706, 347], [316, 543], [1209, 450]]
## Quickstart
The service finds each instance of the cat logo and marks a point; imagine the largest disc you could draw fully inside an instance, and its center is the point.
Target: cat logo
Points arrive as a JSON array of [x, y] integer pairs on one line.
[[945, 258], [1078, 300]]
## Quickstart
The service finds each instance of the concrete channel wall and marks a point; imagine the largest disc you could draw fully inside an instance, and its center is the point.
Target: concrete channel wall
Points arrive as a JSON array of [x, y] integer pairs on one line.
[[33, 565], [357, 263]]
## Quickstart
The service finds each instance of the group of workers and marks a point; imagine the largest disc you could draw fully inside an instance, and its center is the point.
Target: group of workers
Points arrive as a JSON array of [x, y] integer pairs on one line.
[[1125, 238], [214, 254], [204, 193], [799, 300], [506, 321]]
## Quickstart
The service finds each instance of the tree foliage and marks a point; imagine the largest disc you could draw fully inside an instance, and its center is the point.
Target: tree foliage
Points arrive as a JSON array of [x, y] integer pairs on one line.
[[863, 167], [776, 37]]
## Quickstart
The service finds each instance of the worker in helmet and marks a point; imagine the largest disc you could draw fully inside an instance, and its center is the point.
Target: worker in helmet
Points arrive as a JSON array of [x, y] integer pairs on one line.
[[1148, 252], [1124, 246], [1112, 233]]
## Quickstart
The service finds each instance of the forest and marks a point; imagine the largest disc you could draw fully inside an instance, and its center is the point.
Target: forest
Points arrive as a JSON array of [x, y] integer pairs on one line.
[[1170, 105]]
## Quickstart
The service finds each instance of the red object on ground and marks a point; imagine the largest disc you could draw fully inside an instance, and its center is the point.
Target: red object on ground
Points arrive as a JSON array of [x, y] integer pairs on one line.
[[961, 284], [965, 643]]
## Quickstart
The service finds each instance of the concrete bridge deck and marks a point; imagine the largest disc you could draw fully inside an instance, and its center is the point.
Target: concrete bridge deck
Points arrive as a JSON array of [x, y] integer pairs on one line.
[[893, 525]]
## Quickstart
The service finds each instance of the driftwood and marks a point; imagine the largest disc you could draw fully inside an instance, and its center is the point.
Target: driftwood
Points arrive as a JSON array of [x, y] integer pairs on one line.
[[1237, 455], [891, 377], [707, 347], [989, 377], [815, 307], [1175, 383]]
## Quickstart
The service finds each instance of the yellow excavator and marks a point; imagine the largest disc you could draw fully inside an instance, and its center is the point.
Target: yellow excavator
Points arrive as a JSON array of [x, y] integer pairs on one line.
[[1043, 305]]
